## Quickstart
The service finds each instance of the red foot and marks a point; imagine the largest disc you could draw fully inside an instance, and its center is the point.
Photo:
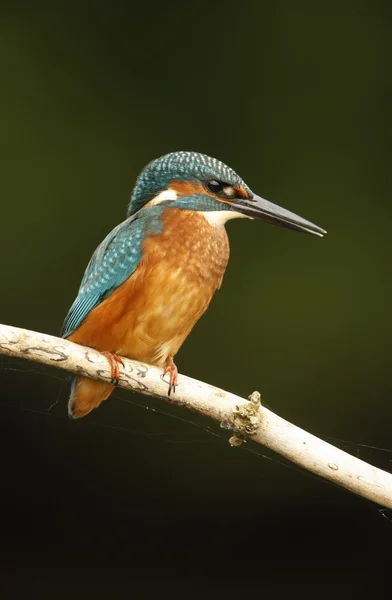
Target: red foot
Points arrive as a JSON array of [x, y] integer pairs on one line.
[[173, 375], [114, 361]]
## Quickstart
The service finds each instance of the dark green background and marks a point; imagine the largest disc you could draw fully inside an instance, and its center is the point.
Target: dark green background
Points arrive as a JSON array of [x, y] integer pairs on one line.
[[296, 97]]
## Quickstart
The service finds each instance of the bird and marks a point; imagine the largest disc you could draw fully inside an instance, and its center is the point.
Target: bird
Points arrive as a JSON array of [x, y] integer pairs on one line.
[[154, 275]]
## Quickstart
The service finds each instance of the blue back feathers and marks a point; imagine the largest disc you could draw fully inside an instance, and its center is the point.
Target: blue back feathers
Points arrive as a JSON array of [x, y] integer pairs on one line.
[[112, 263], [179, 165]]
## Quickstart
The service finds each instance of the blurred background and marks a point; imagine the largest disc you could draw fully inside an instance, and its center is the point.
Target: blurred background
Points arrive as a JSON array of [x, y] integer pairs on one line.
[[296, 98]]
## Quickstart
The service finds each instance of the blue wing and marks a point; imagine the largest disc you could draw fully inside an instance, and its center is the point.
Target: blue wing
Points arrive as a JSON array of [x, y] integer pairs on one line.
[[112, 263]]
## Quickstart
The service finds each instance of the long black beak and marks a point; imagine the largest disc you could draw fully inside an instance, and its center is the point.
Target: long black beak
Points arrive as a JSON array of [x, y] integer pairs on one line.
[[261, 209]]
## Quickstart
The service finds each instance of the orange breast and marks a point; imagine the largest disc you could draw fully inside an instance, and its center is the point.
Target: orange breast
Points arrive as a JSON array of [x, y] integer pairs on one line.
[[149, 316]]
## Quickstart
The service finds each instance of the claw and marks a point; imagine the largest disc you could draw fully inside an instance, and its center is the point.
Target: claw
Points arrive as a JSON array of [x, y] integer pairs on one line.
[[171, 369], [114, 361]]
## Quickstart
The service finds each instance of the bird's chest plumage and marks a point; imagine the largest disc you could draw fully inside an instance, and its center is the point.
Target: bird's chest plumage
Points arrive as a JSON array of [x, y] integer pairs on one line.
[[189, 251], [181, 268]]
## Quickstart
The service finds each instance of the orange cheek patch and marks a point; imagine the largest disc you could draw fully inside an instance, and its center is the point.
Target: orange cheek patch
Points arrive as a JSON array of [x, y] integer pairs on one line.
[[189, 188], [186, 188]]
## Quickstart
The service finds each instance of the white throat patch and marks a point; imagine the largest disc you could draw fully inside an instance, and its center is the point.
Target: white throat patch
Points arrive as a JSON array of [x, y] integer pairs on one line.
[[219, 217]]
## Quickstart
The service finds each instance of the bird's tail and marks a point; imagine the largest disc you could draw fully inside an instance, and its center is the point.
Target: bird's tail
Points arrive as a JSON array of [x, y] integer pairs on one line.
[[87, 394]]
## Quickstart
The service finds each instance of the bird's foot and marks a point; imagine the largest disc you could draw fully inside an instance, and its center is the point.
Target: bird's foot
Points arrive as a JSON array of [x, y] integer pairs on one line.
[[114, 361], [172, 370]]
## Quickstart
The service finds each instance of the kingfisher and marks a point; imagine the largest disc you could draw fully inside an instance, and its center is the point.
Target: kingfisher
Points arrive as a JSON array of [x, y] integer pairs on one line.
[[154, 275]]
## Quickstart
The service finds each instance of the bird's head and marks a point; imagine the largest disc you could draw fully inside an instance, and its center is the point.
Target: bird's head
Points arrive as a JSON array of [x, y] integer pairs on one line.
[[197, 182]]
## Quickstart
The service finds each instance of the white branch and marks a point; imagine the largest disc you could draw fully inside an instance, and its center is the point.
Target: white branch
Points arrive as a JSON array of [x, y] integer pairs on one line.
[[246, 418]]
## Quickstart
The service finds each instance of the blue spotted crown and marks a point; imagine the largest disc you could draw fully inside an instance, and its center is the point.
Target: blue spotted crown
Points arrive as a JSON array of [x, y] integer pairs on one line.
[[188, 166]]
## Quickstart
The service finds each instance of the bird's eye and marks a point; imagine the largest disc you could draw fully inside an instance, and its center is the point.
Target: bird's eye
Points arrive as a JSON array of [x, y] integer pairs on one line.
[[215, 186]]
